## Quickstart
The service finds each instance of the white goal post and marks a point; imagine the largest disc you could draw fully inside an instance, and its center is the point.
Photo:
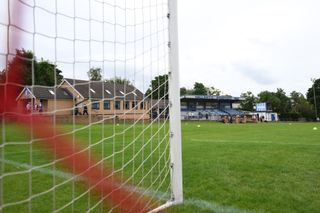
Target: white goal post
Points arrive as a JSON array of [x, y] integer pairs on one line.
[[174, 86], [90, 120], [174, 101]]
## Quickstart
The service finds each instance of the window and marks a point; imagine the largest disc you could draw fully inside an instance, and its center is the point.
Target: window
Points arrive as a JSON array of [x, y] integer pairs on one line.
[[225, 105], [95, 105], [106, 105], [142, 105], [117, 105], [184, 105], [200, 105], [127, 105], [134, 104], [192, 106], [26, 92], [212, 105], [51, 92]]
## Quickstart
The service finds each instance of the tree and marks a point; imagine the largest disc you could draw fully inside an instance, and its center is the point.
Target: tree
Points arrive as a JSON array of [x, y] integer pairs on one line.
[[119, 80], [249, 101], [33, 72], [3, 76], [271, 99], [22, 62], [296, 99], [183, 91], [199, 89], [94, 74], [46, 73], [313, 95], [213, 91], [301, 106], [285, 103], [277, 101], [159, 87]]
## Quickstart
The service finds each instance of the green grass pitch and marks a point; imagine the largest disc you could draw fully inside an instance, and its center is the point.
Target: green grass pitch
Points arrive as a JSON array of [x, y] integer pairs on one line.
[[270, 167]]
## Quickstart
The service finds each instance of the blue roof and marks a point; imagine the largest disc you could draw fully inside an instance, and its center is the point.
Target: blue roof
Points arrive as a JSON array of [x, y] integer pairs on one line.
[[212, 97]]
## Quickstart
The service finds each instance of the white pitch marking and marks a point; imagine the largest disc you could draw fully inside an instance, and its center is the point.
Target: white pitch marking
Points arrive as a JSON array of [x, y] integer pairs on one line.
[[214, 207], [41, 170], [251, 141]]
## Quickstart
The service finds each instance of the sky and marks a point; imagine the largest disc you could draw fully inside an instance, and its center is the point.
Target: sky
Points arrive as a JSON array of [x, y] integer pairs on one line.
[[124, 38], [233, 45], [249, 45]]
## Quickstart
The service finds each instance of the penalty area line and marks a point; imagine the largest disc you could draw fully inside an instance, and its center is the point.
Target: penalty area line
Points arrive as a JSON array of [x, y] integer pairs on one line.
[[250, 141], [57, 173], [201, 204], [214, 207]]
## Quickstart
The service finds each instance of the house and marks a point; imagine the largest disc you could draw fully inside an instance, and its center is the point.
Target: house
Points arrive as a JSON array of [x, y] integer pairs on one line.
[[100, 98], [53, 99]]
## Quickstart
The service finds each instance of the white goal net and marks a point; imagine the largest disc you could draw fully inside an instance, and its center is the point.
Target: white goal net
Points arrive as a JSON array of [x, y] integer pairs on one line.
[[90, 106]]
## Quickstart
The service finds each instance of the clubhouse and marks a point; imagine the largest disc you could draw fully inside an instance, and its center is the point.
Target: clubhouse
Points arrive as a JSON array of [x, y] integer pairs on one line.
[[74, 96]]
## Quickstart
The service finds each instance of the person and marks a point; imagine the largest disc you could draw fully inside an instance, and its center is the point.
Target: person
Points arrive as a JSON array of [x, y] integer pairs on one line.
[[237, 120], [244, 119], [85, 110], [76, 110], [40, 107], [28, 107], [35, 107], [254, 118], [225, 119], [207, 116]]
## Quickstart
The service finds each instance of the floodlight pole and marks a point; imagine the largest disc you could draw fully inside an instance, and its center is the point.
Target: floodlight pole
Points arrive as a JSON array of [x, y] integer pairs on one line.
[[174, 100], [314, 97]]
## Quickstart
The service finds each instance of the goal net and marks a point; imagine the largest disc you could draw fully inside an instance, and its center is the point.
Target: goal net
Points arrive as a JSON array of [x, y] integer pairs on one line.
[[90, 106]]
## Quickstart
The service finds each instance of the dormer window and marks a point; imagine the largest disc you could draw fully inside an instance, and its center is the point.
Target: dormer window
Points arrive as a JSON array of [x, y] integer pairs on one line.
[[26, 92]]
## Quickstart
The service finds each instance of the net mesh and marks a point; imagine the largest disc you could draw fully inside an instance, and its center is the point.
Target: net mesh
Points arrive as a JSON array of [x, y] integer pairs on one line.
[[98, 72]]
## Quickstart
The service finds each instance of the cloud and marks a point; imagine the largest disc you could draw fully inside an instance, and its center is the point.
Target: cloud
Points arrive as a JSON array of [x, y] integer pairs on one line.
[[253, 41], [260, 42], [257, 74]]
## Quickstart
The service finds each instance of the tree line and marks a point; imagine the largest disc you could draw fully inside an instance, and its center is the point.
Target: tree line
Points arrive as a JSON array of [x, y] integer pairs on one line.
[[42, 72], [200, 89], [31, 70], [294, 106]]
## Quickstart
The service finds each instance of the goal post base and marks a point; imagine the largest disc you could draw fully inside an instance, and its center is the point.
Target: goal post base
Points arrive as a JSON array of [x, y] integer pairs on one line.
[[165, 206]]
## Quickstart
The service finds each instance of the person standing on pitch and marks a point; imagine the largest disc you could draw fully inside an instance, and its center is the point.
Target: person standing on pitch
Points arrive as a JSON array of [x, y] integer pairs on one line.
[[85, 110]]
